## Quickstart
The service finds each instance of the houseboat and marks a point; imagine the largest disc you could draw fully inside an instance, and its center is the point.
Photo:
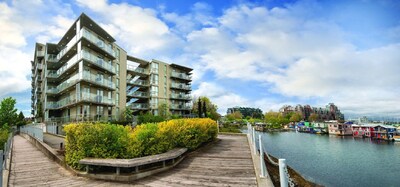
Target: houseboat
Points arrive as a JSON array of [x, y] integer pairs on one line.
[[340, 129], [260, 127], [363, 131], [384, 132]]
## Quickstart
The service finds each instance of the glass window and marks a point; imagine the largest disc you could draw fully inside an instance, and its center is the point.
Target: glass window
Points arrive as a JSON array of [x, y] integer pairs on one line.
[[117, 99], [117, 81], [117, 69], [154, 79], [154, 91], [154, 67]]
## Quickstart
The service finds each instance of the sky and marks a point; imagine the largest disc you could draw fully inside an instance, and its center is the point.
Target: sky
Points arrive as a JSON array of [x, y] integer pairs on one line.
[[262, 53]]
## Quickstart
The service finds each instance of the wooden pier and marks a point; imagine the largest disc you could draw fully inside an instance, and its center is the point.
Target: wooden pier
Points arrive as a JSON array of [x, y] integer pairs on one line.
[[227, 162]]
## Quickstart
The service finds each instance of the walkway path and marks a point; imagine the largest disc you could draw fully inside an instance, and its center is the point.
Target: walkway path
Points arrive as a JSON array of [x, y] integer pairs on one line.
[[227, 163]]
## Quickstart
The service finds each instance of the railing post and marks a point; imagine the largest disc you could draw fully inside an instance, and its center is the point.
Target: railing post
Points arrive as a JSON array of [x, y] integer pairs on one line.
[[262, 165], [254, 141], [1, 167], [282, 173]]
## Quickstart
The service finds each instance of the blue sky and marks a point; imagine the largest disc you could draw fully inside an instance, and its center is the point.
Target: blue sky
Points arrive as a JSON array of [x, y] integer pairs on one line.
[[261, 53]]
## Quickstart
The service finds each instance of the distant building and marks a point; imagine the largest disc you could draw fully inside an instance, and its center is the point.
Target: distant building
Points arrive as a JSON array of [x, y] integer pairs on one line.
[[330, 112], [246, 111]]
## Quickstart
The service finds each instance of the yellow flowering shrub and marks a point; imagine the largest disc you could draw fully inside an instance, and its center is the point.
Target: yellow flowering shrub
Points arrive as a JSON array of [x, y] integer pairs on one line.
[[99, 140]]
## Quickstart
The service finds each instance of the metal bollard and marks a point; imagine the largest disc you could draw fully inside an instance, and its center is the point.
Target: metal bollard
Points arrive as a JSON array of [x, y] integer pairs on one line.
[[282, 173], [262, 165], [254, 141]]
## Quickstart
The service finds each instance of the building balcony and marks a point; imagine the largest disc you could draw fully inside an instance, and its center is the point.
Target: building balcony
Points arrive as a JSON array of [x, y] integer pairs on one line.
[[182, 76], [94, 39], [138, 94], [138, 70], [139, 106], [97, 99], [39, 53], [181, 96], [51, 58], [95, 79], [181, 86], [66, 48], [179, 107], [139, 83], [85, 97], [95, 60]]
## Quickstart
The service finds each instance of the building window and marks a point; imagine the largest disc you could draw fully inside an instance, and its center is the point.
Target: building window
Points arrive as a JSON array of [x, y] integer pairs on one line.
[[117, 69], [117, 81], [99, 112], [154, 79], [154, 91], [117, 99], [154, 67]]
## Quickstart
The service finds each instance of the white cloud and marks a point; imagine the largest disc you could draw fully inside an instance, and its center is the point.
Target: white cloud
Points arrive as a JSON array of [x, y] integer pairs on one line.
[[138, 29], [20, 22], [219, 96], [300, 56]]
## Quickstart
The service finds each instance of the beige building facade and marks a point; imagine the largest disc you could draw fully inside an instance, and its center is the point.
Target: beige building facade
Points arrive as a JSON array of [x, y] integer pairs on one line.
[[86, 76]]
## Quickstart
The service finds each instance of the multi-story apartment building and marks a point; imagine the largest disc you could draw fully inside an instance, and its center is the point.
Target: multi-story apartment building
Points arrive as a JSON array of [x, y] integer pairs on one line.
[[330, 112], [86, 76]]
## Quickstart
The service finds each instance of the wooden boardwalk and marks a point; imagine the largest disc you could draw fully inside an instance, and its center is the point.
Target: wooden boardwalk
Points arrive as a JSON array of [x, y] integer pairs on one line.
[[227, 163]]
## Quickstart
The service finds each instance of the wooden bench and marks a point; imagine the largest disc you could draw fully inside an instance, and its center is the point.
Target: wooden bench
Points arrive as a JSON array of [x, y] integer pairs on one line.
[[171, 155]]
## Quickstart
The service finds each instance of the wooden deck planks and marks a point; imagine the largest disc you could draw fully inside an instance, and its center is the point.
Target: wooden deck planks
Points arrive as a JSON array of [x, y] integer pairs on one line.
[[226, 163]]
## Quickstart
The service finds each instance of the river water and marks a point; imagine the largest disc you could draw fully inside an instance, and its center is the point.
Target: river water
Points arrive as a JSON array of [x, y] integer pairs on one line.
[[337, 161]]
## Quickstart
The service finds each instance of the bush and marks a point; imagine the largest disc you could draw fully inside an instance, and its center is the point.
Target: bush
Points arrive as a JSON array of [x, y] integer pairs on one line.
[[3, 137], [95, 140], [115, 141]]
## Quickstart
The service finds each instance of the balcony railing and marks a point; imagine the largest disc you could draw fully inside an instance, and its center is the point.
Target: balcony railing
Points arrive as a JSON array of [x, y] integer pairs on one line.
[[98, 61], [139, 82], [139, 106], [40, 53], [67, 47], [77, 118], [52, 58], [96, 99], [98, 80], [137, 69], [138, 94], [67, 65], [181, 75], [98, 42], [181, 86], [180, 96], [89, 97], [180, 107]]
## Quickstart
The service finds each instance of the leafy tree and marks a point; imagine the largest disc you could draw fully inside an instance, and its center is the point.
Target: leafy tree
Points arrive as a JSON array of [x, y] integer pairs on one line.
[[8, 114], [234, 116], [313, 117], [164, 111], [21, 119], [296, 117], [211, 109], [128, 114], [275, 119], [149, 118], [204, 109], [199, 108]]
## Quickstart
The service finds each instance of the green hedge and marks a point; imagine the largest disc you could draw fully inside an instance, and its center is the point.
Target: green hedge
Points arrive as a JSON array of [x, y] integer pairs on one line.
[[3, 137], [98, 140]]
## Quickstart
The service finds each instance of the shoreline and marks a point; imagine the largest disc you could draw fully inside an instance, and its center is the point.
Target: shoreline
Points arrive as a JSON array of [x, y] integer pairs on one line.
[[298, 179]]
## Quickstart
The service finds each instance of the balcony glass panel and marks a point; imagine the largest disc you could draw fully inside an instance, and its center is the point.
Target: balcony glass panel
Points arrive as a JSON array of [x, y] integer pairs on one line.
[[97, 41], [98, 61]]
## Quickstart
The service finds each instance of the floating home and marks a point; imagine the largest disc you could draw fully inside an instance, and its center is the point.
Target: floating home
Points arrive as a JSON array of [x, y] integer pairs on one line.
[[341, 129]]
